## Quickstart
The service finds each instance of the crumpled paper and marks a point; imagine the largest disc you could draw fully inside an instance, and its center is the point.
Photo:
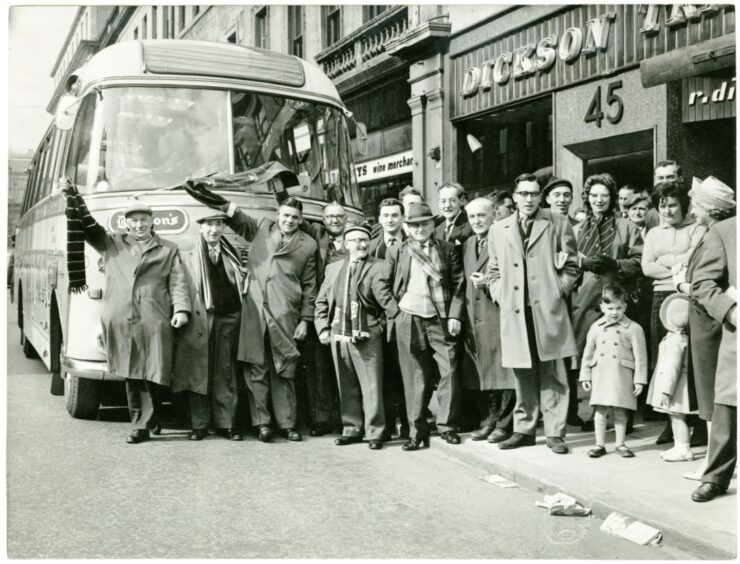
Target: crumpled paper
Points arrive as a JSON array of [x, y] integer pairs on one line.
[[563, 504], [639, 533]]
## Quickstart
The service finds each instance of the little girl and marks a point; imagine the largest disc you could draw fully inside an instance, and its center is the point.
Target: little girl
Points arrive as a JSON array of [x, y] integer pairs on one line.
[[669, 389], [614, 368]]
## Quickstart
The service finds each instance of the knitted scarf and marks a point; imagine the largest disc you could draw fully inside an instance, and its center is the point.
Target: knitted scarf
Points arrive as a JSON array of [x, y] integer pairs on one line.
[[78, 221], [350, 318], [230, 254], [432, 266]]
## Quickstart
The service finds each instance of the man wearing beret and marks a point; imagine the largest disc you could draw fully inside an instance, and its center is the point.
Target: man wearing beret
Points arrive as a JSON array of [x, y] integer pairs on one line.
[[146, 299], [352, 302], [206, 363], [429, 286]]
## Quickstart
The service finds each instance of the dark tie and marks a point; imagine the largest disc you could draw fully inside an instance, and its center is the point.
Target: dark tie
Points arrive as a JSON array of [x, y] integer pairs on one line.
[[481, 246], [391, 242], [213, 253], [526, 223]]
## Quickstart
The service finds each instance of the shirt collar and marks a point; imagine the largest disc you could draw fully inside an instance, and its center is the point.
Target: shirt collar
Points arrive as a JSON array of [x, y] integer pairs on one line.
[[387, 237], [453, 220], [624, 322]]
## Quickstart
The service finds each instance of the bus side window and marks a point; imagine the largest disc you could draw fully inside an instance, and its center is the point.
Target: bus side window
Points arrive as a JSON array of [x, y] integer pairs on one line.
[[78, 159]]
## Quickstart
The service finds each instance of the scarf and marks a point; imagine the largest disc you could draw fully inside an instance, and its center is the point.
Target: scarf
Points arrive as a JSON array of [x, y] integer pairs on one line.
[[432, 266], [230, 254], [350, 323], [597, 236], [79, 220]]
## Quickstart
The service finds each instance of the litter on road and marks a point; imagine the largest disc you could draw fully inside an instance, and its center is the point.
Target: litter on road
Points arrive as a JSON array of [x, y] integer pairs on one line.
[[563, 504], [499, 481], [639, 533]]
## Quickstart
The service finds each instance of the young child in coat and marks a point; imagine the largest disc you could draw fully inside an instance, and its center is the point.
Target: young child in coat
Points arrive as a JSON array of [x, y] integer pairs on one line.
[[669, 389], [613, 368]]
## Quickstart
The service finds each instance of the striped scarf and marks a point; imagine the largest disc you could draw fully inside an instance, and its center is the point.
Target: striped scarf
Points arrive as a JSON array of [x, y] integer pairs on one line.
[[350, 323], [431, 264], [597, 236], [78, 221], [229, 253]]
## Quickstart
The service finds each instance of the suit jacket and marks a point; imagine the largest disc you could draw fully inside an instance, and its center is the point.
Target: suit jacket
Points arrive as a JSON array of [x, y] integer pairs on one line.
[[453, 279], [482, 329], [378, 247], [281, 290], [373, 289], [323, 240], [460, 231], [191, 360], [547, 285], [586, 297], [714, 285]]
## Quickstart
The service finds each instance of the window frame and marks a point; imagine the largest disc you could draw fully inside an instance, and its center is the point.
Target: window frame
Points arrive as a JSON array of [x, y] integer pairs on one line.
[[262, 23], [296, 19]]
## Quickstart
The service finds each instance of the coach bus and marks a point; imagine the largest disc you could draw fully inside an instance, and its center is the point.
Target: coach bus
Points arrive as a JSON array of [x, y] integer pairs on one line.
[[138, 118]]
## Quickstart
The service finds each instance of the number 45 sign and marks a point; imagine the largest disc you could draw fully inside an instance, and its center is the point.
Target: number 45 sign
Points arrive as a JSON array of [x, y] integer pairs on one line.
[[613, 103]]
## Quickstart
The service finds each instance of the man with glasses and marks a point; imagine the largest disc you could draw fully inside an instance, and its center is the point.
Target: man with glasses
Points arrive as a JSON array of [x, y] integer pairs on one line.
[[429, 285], [531, 271], [352, 301]]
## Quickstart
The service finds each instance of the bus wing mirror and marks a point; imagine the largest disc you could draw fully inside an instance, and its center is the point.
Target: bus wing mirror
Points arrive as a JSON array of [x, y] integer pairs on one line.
[[361, 138], [66, 112]]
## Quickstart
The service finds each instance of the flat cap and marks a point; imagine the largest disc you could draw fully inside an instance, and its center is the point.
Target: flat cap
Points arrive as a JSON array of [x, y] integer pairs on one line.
[[137, 207]]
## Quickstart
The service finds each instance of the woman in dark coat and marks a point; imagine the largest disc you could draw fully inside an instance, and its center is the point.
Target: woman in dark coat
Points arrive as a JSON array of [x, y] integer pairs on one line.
[[711, 201]]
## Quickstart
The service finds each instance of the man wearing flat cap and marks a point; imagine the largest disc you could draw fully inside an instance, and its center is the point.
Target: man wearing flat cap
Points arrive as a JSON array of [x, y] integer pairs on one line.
[[354, 298], [206, 364], [429, 286], [558, 193], [146, 299]]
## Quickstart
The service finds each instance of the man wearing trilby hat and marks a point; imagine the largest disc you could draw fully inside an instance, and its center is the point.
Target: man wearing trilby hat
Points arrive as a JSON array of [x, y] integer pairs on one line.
[[352, 301], [146, 298], [206, 363]]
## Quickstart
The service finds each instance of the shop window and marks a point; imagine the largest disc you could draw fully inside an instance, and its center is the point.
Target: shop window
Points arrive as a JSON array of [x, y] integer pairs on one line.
[[261, 26], [369, 12], [295, 30], [331, 16], [382, 106]]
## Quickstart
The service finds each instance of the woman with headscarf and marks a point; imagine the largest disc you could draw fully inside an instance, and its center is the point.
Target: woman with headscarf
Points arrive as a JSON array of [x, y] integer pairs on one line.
[[609, 252], [711, 201]]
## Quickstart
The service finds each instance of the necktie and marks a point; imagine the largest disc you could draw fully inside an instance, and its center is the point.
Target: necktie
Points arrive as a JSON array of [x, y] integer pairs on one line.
[[448, 231], [391, 241], [481, 245], [213, 253]]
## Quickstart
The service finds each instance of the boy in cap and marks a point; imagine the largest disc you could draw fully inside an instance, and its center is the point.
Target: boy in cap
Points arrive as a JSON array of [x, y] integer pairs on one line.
[[429, 285], [354, 297]]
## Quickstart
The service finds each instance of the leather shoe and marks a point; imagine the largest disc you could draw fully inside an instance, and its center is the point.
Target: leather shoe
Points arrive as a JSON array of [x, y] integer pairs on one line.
[[557, 445], [137, 436], [344, 440], [233, 435], [517, 440], [375, 444], [707, 492], [386, 437], [498, 436], [265, 434], [451, 437], [198, 434], [293, 435], [416, 444], [319, 430], [666, 436], [482, 433]]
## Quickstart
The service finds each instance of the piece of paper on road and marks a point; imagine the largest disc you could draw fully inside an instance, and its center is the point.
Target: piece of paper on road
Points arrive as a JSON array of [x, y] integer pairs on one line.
[[499, 481], [639, 533]]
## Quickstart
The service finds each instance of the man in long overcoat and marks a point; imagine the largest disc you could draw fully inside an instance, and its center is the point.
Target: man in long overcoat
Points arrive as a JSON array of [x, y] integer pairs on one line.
[[492, 384], [531, 271], [714, 285], [279, 305], [146, 298], [206, 364]]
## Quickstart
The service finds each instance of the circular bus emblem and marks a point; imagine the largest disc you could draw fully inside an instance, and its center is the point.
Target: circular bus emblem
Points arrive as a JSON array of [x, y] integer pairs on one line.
[[166, 220]]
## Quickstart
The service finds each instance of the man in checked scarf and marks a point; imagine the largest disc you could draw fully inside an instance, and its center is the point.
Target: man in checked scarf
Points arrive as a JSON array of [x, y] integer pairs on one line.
[[206, 364], [429, 285]]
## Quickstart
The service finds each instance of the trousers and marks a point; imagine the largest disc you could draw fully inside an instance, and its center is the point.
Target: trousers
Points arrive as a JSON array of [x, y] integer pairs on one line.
[[497, 408], [144, 403], [722, 450]]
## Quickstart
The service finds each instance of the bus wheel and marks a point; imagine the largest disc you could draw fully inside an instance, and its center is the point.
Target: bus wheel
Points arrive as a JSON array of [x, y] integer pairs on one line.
[[28, 350], [81, 397]]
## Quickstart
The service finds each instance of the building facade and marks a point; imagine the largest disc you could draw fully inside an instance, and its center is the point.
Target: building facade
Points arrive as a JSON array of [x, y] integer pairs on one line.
[[17, 179]]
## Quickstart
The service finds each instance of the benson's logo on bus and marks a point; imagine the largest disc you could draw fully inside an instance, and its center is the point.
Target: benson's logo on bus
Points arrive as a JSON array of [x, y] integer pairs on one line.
[[166, 220]]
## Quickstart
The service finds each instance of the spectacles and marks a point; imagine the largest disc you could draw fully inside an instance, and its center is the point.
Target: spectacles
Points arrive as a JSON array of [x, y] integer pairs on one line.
[[525, 195], [342, 216], [357, 241]]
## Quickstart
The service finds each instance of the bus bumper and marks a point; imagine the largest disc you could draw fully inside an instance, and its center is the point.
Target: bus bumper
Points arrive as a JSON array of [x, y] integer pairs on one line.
[[93, 370]]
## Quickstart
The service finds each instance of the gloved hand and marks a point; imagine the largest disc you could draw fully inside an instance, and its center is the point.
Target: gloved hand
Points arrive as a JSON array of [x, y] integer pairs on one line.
[[197, 189], [590, 264], [608, 264]]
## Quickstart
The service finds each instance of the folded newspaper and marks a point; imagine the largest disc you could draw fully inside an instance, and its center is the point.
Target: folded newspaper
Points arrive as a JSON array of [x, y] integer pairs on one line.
[[562, 504], [622, 526]]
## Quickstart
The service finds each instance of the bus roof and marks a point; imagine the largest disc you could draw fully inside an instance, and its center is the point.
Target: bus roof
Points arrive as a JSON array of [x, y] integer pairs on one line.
[[171, 58]]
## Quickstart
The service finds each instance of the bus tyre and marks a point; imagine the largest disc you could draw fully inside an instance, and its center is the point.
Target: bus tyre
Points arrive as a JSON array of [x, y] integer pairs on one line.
[[28, 350], [81, 397], [57, 384]]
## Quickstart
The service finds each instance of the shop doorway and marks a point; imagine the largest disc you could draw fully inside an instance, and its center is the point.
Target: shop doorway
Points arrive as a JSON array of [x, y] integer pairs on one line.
[[628, 158]]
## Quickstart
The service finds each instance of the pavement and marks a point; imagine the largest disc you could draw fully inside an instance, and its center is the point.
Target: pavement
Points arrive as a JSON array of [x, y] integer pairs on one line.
[[645, 488]]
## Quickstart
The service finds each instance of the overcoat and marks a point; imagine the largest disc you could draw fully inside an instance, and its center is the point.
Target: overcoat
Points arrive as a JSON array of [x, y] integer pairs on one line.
[[191, 358], [614, 360], [714, 285], [141, 294], [549, 281], [482, 329], [281, 289], [586, 297], [453, 279], [373, 291], [323, 240]]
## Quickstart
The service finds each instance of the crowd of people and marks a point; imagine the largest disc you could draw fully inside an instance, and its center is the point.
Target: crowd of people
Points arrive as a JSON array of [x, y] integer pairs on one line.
[[503, 306]]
